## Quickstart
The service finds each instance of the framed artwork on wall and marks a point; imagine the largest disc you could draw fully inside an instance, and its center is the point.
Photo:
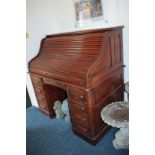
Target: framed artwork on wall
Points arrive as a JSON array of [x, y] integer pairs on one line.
[[89, 11]]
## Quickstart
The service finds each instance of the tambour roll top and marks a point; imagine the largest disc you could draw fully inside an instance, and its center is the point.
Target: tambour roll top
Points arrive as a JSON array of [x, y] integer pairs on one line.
[[77, 57]]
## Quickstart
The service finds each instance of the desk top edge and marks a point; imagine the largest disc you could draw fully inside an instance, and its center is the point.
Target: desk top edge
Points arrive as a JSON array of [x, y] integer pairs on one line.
[[84, 31]]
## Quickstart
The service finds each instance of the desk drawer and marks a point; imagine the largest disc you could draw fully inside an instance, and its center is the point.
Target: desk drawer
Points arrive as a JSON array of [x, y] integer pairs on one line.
[[43, 106], [36, 80], [54, 82], [79, 114], [41, 98], [80, 119], [82, 130], [38, 90], [79, 107], [78, 94]]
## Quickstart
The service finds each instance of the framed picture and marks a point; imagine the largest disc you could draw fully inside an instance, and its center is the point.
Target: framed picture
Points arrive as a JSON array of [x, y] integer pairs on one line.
[[88, 11]]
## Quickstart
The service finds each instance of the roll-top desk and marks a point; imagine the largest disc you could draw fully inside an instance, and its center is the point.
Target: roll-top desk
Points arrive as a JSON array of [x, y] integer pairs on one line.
[[87, 68]]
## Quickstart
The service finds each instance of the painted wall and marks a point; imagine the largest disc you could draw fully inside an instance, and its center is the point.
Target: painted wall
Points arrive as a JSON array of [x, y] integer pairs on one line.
[[55, 16]]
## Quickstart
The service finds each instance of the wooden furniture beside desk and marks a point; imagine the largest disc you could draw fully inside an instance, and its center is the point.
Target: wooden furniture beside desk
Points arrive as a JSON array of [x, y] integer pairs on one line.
[[85, 66]]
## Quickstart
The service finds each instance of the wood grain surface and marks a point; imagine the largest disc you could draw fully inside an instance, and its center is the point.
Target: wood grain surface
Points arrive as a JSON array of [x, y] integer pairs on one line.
[[87, 68]]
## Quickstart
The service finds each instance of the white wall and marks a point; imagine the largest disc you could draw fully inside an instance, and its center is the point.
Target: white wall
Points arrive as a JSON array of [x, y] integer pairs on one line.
[[55, 16], [123, 18]]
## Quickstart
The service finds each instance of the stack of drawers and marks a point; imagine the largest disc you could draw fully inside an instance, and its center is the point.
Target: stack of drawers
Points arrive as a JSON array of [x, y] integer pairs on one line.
[[40, 94], [79, 110]]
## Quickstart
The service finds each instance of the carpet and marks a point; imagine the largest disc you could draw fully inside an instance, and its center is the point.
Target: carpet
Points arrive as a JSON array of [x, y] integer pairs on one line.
[[45, 136]]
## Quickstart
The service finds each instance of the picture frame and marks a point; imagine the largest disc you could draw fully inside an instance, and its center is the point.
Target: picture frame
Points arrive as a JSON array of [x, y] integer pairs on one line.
[[89, 11]]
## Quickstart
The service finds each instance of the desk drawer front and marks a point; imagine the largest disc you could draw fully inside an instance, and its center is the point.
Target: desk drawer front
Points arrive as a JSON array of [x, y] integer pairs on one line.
[[42, 101], [78, 106], [39, 91], [35, 77], [78, 94], [43, 106], [36, 80], [82, 130], [80, 119], [79, 113], [54, 82], [41, 98]]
